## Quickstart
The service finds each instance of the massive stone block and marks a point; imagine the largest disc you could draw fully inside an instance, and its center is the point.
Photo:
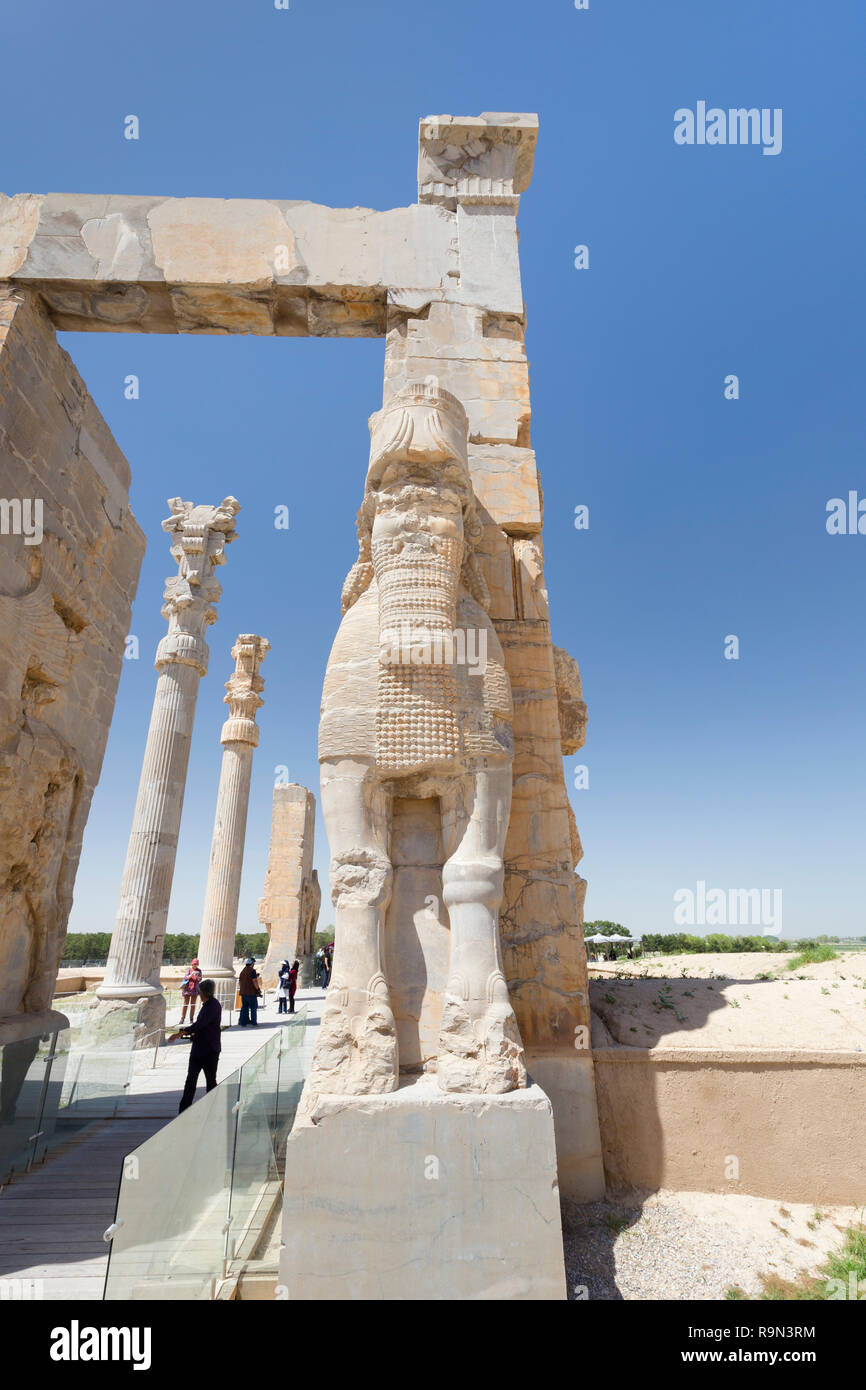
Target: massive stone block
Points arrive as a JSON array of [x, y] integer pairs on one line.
[[65, 596], [222, 265], [421, 1196]]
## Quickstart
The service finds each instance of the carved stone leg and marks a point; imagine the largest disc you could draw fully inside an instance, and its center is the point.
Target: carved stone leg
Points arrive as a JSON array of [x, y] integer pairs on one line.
[[479, 1042], [356, 1050]]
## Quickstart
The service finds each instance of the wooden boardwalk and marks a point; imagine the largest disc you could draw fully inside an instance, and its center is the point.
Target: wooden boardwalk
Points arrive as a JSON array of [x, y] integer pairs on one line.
[[52, 1219]]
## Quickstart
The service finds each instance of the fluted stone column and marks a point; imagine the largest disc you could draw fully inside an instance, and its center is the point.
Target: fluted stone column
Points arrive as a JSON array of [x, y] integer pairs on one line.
[[199, 537], [240, 735]]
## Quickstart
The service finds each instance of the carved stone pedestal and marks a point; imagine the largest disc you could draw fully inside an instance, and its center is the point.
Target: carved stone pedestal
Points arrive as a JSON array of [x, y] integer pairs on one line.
[[422, 1195]]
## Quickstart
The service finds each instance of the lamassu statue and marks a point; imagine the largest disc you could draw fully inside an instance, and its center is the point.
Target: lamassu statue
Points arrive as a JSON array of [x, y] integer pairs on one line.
[[417, 703]]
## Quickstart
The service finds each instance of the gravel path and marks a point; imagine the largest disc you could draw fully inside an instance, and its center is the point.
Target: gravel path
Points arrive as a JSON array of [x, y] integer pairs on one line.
[[693, 1245]]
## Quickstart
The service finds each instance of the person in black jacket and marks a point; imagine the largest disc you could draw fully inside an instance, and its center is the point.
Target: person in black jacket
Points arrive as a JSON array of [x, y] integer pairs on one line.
[[205, 1053]]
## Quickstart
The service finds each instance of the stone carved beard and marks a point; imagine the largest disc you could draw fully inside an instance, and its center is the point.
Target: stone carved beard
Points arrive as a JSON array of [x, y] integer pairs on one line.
[[417, 551]]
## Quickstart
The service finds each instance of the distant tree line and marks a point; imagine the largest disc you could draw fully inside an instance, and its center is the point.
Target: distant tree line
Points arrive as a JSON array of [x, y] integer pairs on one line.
[[178, 949], [681, 943], [91, 945], [840, 938]]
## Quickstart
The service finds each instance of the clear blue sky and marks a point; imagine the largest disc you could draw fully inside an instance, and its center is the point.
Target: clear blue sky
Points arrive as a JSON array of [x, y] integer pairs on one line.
[[707, 516]]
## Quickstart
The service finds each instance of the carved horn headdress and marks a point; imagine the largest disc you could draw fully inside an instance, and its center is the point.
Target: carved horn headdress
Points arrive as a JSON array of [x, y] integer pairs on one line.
[[422, 423]]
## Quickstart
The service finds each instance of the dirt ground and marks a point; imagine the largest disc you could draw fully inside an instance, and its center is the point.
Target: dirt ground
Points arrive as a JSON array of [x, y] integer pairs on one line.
[[696, 1245], [730, 1001]]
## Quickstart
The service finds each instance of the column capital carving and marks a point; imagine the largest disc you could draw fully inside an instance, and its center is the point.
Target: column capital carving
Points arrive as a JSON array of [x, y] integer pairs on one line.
[[199, 535], [483, 160], [243, 690]]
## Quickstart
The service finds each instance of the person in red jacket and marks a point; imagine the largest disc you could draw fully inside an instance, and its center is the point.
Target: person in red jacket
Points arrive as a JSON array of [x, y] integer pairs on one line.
[[293, 984]]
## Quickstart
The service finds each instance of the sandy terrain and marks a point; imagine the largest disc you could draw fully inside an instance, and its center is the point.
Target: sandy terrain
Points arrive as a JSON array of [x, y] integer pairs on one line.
[[695, 1245], [719, 1001]]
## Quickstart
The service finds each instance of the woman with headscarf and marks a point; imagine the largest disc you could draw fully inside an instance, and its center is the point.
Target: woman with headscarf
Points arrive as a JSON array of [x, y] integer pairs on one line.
[[189, 990], [293, 984], [283, 992]]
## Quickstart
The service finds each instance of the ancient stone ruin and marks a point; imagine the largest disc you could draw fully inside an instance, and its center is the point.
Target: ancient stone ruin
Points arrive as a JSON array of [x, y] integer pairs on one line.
[[239, 738], [408, 718], [289, 906], [199, 535], [460, 1000], [70, 553]]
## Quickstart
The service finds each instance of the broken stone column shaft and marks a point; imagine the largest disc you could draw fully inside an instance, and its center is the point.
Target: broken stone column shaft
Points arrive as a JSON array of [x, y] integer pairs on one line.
[[290, 905]]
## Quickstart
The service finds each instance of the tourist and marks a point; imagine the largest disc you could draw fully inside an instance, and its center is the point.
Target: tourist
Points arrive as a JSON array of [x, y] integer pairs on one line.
[[283, 989], [293, 984], [326, 969], [249, 988], [189, 990], [320, 964], [205, 1052]]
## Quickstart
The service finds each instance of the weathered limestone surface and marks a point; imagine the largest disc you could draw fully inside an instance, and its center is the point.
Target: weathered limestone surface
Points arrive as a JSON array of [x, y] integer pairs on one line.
[[239, 738], [289, 907], [417, 708], [64, 614], [275, 266], [572, 706], [417, 930], [476, 161], [423, 1196], [224, 265], [199, 538], [461, 349], [213, 265]]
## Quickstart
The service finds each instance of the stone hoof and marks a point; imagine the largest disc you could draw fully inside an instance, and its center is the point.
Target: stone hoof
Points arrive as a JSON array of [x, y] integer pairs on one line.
[[356, 1051], [484, 1054]]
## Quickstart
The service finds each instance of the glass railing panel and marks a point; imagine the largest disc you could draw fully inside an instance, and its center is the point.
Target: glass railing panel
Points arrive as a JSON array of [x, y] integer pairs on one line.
[[294, 1064], [173, 1004], [27, 1099], [169, 1237], [255, 1178], [271, 1089], [99, 1060], [202, 1199]]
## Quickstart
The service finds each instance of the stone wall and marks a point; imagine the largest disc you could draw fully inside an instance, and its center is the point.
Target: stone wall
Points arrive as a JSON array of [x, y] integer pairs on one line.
[[64, 614], [675, 1118]]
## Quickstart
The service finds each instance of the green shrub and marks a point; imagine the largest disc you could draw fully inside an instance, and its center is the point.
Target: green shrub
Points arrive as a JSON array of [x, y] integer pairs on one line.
[[813, 955]]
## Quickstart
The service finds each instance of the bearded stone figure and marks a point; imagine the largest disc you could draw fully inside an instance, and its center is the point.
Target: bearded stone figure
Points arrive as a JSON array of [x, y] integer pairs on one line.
[[417, 703]]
